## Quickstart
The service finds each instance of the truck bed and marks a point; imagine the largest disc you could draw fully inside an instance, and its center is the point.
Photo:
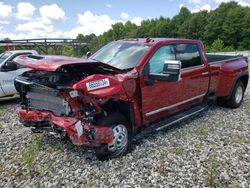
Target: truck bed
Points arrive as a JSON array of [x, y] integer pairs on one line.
[[214, 58], [224, 70]]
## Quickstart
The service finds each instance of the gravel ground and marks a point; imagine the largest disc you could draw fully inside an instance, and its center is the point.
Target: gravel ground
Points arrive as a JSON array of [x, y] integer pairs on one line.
[[210, 150]]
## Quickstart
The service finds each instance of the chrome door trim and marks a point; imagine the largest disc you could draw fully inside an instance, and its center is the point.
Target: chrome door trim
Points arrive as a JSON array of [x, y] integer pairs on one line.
[[174, 105]]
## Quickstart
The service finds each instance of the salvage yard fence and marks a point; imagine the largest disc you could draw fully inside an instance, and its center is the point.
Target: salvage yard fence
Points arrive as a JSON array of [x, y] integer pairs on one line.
[[244, 53]]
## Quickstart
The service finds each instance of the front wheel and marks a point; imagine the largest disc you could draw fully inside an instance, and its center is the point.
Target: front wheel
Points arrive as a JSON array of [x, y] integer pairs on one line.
[[237, 96], [122, 137]]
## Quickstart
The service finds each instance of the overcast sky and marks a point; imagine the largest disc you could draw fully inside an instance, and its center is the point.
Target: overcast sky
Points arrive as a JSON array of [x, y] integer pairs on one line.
[[67, 18]]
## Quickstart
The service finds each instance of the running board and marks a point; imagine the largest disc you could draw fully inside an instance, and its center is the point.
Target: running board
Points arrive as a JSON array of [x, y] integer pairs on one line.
[[170, 121]]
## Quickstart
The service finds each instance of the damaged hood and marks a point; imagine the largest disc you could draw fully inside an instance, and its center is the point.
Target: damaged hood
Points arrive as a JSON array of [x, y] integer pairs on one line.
[[54, 62]]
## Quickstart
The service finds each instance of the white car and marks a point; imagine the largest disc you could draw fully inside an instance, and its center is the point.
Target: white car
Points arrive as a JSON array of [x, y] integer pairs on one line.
[[9, 70]]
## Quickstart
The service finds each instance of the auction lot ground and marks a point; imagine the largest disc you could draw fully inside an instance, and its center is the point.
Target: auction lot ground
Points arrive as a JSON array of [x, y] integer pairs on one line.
[[210, 150]]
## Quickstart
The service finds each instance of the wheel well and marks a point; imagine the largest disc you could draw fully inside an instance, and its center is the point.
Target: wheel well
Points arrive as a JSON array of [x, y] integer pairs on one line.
[[244, 79], [123, 107]]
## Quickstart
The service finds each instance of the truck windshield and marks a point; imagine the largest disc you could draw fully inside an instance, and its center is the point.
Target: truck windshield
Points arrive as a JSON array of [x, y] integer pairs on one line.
[[4, 56], [121, 55]]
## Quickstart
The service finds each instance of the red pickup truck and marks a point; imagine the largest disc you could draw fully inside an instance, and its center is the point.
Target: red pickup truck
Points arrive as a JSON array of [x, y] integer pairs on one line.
[[127, 88]]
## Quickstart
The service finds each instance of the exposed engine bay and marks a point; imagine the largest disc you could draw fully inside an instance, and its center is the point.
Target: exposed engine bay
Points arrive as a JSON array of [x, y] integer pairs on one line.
[[50, 91], [65, 75]]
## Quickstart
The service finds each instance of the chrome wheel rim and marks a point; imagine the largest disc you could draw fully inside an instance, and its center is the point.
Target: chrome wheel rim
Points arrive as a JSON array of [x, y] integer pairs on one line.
[[238, 94], [120, 140]]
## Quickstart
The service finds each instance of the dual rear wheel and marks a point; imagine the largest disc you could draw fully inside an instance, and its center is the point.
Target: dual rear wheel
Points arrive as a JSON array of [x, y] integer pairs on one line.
[[236, 98]]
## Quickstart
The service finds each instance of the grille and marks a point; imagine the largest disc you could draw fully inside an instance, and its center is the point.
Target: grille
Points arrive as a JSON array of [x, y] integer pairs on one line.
[[47, 99]]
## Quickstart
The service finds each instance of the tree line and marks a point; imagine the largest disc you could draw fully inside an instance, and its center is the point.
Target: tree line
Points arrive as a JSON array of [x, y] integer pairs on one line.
[[226, 28]]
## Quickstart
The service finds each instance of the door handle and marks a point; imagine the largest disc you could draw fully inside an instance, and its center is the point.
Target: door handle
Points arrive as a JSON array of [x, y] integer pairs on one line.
[[205, 73]]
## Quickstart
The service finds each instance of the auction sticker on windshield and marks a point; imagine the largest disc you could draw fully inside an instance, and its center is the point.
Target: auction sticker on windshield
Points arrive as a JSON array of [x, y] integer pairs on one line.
[[97, 84]]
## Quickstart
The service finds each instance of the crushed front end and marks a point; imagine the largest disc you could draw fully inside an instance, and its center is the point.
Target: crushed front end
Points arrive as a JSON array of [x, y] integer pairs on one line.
[[49, 103]]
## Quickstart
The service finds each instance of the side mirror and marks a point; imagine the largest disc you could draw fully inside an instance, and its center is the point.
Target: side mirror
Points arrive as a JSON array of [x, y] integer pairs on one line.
[[8, 66], [171, 72], [172, 69], [88, 54]]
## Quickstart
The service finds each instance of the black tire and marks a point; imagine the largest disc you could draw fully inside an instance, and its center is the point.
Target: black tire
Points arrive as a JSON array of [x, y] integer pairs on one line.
[[237, 95], [113, 120]]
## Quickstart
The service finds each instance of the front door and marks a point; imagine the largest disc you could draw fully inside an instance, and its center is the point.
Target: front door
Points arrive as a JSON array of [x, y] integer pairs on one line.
[[7, 76], [159, 98]]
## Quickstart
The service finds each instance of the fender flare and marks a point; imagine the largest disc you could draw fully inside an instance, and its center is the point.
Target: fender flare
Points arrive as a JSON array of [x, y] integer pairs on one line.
[[235, 81]]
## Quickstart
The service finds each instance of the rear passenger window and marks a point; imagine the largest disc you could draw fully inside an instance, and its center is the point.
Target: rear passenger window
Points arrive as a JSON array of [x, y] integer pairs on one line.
[[188, 54]]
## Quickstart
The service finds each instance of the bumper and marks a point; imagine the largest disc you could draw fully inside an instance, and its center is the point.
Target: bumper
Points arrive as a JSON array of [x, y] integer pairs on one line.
[[102, 134]]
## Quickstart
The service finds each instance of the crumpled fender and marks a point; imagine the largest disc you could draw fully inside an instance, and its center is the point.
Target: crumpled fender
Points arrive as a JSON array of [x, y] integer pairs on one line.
[[120, 84]]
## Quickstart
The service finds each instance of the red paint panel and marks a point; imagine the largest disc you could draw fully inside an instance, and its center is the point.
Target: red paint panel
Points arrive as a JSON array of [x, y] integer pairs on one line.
[[196, 81], [225, 73], [54, 62]]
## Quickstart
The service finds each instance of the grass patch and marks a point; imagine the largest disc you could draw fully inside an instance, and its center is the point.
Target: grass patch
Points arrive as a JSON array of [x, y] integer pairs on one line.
[[54, 147], [30, 153], [1, 167], [90, 182], [247, 108], [43, 169], [203, 131], [212, 172], [242, 140], [40, 185], [59, 182], [162, 165], [3, 109], [179, 151]]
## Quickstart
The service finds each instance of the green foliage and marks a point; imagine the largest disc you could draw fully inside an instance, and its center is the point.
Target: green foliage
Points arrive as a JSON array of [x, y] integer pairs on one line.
[[2, 49], [30, 153], [226, 28], [1, 167], [217, 46], [68, 51], [212, 172], [3, 109], [91, 40], [242, 140], [204, 131]]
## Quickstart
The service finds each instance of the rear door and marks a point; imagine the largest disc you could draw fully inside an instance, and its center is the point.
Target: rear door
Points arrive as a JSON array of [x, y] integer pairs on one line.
[[194, 73]]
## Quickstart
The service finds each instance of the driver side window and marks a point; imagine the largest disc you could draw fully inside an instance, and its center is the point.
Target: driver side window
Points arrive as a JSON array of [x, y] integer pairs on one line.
[[156, 62]]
